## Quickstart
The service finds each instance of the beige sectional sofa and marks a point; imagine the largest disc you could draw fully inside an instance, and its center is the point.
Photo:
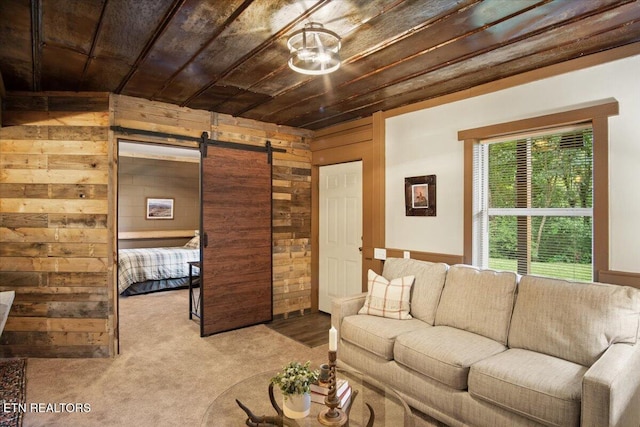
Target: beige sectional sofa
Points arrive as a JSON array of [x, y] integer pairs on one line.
[[488, 348]]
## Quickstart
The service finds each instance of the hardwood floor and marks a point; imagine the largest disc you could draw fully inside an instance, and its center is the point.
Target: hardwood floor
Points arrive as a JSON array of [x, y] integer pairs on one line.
[[311, 329]]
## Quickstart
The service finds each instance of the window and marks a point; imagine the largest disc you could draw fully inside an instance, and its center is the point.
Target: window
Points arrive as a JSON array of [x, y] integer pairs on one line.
[[596, 115], [534, 203]]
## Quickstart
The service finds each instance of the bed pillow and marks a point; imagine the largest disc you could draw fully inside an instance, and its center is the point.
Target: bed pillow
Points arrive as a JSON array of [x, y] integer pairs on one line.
[[388, 298], [193, 243]]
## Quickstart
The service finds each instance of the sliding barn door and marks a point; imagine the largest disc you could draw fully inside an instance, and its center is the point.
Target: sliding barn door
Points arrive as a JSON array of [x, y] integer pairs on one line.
[[236, 280]]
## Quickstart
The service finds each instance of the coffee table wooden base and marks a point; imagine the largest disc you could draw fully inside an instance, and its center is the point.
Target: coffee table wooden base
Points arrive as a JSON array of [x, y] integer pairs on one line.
[[334, 418]]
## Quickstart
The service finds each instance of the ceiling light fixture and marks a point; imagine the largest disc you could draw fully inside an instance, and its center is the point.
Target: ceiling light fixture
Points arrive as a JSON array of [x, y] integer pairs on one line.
[[314, 50]]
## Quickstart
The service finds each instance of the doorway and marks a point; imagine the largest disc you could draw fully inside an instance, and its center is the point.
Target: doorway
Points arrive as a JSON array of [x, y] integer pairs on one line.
[[152, 245], [340, 232]]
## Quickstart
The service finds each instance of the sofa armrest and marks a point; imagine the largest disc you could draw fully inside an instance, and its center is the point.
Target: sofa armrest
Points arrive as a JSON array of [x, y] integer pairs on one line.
[[611, 388], [345, 306]]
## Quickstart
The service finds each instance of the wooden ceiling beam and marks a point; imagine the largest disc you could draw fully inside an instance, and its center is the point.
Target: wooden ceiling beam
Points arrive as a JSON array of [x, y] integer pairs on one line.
[[91, 55], [36, 44]]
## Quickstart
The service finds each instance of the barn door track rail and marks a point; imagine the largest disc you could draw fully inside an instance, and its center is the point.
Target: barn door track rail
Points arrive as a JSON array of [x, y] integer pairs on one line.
[[205, 141]]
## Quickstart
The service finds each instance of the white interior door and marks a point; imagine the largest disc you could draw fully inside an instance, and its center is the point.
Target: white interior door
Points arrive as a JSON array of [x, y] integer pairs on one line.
[[340, 257]]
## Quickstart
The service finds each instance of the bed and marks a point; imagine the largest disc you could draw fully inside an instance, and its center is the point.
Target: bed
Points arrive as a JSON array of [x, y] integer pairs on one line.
[[145, 270]]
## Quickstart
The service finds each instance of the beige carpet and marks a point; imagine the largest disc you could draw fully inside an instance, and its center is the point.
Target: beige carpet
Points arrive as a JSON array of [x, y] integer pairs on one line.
[[166, 375]]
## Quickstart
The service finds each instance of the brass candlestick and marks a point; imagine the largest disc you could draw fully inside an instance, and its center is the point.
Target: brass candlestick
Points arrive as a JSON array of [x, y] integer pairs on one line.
[[332, 415]]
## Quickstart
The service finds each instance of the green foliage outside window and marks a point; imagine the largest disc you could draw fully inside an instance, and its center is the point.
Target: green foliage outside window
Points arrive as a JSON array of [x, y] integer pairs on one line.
[[561, 173]]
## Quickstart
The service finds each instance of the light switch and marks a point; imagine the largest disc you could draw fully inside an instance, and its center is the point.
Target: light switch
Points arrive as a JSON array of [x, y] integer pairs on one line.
[[380, 253]]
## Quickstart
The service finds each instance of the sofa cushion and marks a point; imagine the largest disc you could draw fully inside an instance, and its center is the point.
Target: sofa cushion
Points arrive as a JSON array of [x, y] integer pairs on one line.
[[376, 334], [541, 387], [427, 287], [444, 353], [478, 301], [573, 320], [388, 298]]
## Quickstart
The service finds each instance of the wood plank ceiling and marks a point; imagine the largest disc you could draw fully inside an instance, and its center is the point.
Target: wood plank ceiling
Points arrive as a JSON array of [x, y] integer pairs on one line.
[[230, 56]]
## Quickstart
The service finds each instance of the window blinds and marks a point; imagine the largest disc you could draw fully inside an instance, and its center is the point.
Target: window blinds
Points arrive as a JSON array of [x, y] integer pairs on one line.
[[533, 204]]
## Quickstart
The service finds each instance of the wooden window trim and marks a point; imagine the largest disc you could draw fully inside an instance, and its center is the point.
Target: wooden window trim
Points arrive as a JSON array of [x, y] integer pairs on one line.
[[597, 114]]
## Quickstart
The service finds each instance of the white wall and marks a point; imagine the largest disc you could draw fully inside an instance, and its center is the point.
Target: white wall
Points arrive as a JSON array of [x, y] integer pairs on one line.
[[426, 142]]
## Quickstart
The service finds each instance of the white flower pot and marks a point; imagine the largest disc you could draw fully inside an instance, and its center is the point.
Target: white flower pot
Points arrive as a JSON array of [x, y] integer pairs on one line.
[[296, 405]]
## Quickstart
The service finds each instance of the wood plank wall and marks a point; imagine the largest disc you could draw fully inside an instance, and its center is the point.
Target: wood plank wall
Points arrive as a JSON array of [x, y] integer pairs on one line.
[[291, 181], [291, 205], [58, 183], [54, 216]]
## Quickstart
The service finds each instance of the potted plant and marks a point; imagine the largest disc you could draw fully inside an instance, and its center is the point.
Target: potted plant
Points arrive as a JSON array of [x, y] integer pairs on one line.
[[294, 381]]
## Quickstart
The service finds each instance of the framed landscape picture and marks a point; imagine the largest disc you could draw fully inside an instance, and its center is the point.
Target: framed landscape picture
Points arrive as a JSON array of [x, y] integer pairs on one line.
[[159, 208], [420, 195]]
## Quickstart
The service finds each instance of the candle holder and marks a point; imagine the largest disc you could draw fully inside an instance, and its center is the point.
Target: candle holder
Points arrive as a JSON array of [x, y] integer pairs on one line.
[[332, 415]]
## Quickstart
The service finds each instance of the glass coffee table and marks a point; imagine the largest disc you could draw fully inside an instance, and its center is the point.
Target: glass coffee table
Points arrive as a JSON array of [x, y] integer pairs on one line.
[[388, 407]]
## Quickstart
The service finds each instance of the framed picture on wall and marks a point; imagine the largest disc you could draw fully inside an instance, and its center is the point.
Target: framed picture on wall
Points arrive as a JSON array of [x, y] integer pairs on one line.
[[420, 195], [159, 208]]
